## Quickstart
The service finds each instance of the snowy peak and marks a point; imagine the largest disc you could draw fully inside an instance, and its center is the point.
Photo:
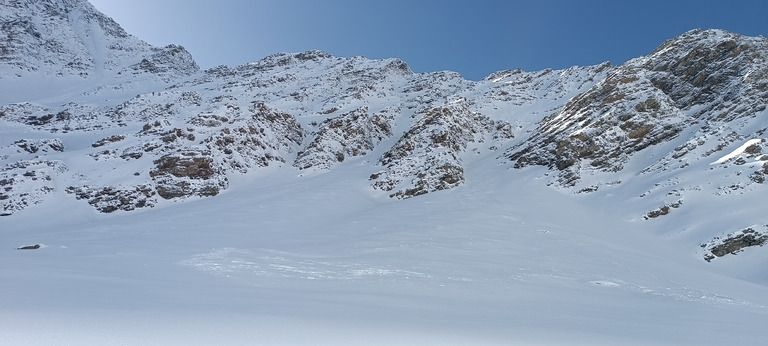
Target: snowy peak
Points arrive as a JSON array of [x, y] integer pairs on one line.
[[703, 79], [169, 62], [58, 38], [704, 66]]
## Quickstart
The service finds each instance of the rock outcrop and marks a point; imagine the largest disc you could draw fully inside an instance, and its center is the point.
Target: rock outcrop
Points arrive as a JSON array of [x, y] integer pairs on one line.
[[428, 157]]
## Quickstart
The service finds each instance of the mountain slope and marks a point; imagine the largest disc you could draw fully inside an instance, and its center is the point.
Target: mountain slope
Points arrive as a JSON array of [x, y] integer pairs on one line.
[[684, 126], [595, 127], [309, 187], [708, 79]]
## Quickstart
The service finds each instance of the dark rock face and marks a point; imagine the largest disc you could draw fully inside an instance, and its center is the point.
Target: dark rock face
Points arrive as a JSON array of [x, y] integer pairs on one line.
[[195, 167], [170, 61], [42, 145], [702, 77], [238, 144], [734, 243], [27, 182], [663, 210], [349, 135], [264, 137], [107, 140], [109, 199], [703, 66], [29, 247], [70, 117], [428, 157], [189, 173]]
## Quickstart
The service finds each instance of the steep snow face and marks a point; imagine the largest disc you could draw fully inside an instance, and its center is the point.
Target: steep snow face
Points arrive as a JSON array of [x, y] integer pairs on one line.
[[60, 37], [66, 43]]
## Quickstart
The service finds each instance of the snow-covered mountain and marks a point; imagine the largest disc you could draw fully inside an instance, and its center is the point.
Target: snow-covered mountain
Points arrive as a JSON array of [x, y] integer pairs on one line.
[[67, 46], [100, 129]]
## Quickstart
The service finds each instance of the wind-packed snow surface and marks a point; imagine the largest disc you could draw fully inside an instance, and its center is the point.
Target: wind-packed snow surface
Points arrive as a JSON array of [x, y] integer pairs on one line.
[[311, 199], [288, 260]]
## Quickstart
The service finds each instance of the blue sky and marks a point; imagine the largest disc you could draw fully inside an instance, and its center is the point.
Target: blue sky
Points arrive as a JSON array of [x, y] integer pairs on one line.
[[473, 38]]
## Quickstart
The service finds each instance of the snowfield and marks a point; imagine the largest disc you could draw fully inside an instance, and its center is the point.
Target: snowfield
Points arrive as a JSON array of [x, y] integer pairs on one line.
[[310, 260]]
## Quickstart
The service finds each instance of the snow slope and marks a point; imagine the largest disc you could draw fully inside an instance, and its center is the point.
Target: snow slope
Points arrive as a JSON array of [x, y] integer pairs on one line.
[[311, 199], [289, 260]]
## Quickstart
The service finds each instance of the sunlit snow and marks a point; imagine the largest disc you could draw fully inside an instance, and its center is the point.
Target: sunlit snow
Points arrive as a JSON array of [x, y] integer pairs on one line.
[[284, 256]]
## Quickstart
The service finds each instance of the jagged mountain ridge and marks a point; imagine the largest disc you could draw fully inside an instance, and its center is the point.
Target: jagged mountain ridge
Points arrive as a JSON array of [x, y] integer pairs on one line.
[[219, 113], [711, 79], [684, 105]]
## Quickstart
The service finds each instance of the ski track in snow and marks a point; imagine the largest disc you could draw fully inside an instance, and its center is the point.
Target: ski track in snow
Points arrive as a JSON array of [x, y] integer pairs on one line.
[[677, 292], [266, 267]]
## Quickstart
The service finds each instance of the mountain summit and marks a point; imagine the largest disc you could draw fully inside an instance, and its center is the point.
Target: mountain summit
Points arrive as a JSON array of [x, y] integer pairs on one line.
[[668, 148], [71, 38], [68, 42]]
